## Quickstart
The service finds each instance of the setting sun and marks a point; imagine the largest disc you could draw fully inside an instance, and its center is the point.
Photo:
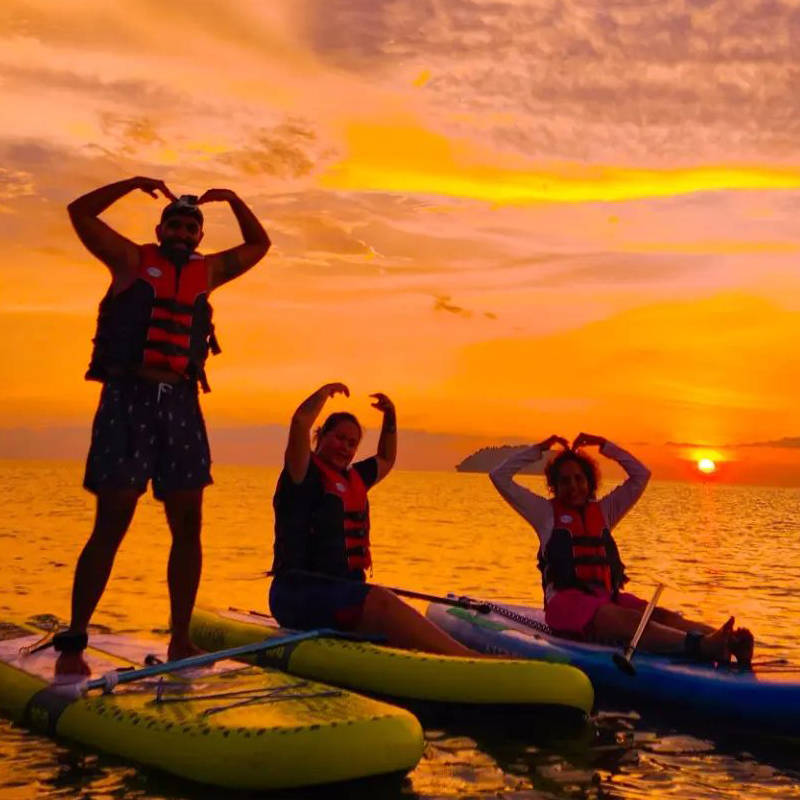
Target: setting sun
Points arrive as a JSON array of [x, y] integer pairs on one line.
[[706, 465]]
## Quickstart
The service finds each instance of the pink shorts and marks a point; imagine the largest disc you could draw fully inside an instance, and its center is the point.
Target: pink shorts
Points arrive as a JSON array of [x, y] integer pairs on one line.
[[571, 610]]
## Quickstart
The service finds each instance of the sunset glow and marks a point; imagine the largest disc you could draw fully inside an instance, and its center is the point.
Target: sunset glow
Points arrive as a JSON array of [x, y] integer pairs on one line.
[[508, 242]]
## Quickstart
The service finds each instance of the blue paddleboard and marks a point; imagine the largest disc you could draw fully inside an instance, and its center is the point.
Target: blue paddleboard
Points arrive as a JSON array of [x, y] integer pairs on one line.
[[767, 698]]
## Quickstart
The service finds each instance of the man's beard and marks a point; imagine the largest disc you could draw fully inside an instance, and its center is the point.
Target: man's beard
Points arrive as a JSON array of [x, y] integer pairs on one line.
[[177, 255]]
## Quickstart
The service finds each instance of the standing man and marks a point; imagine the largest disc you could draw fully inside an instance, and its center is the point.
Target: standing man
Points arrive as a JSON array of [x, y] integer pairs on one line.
[[154, 332]]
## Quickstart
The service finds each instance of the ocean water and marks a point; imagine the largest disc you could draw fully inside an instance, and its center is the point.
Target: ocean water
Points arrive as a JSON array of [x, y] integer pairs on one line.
[[720, 549]]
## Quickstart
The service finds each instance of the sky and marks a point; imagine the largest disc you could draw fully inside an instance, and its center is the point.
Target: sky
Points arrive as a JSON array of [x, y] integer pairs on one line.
[[514, 218]]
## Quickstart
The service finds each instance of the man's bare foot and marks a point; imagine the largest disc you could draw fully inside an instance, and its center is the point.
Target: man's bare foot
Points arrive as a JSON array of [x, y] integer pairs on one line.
[[741, 646], [182, 648], [72, 664], [716, 646]]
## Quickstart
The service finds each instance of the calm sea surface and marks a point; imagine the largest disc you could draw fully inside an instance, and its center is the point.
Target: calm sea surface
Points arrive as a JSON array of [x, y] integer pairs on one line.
[[720, 550]]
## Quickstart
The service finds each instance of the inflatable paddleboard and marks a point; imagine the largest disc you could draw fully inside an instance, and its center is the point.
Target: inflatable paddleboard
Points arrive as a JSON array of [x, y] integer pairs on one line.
[[403, 675], [230, 725], [766, 698]]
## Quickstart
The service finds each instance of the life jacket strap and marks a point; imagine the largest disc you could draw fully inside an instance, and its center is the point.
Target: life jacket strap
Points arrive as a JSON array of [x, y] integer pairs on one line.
[[590, 560], [167, 348], [170, 325], [170, 304], [213, 344], [203, 380], [587, 541]]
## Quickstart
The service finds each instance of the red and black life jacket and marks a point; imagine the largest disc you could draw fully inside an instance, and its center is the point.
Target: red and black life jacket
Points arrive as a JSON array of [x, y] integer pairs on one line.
[[162, 320], [352, 492], [327, 530], [581, 553]]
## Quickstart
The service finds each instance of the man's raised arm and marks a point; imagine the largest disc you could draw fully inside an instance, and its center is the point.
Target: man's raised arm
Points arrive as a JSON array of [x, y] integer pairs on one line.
[[119, 254], [229, 264]]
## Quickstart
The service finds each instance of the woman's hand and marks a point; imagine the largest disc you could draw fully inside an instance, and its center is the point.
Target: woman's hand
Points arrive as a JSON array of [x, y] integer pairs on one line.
[[548, 443], [584, 439], [330, 389], [298, 448], [382, 402]]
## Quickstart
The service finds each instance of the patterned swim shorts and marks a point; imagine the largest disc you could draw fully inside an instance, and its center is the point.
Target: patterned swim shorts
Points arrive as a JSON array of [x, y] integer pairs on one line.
[[144, 430]]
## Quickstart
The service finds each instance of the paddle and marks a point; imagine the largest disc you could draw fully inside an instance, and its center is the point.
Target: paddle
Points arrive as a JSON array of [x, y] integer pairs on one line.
[[108, 681], [470, 603], [623, 660], [461, 602]]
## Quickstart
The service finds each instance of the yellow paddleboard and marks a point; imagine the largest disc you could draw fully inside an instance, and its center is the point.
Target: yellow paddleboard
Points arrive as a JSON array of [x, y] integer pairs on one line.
[[230, 724], [403, 674]]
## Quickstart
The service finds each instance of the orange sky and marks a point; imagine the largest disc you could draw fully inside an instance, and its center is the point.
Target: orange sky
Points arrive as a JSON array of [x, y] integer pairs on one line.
[[515, 221]]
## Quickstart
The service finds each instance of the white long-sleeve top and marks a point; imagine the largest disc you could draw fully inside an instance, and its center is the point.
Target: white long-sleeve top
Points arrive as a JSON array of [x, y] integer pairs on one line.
[[538, 510]]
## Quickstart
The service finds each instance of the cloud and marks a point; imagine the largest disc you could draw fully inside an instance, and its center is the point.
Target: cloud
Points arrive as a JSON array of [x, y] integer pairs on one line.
[[608, 269], [790, 442], [287, 150], [133, 92], [442, 302], [406, 240], [147, 27], [786, 441], [582, 78], [30, 153], [404, 155], [136, 129], [15, 183]]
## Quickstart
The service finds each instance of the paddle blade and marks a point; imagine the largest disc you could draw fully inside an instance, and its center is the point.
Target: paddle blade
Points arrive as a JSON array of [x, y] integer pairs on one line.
[[624, 665]]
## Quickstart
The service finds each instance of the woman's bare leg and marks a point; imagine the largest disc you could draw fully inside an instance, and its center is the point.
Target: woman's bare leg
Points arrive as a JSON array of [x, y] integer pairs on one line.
[[674, 620], [403, 626], [615, 622]]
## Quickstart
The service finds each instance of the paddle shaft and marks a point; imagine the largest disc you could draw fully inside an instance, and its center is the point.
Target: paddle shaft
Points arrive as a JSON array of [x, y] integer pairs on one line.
[[111, 679], [648, 612], [460, 602]]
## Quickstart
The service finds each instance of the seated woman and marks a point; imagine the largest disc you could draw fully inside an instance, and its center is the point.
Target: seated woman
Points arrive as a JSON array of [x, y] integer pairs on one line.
[[322, 546], [582, 573]]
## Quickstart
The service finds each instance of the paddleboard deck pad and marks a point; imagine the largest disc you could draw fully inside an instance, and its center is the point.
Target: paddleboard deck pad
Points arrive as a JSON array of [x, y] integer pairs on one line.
[[404, 675], [229, 724]]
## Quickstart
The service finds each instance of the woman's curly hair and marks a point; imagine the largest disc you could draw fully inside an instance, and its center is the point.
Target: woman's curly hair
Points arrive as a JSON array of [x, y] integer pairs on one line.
[[589, 466]]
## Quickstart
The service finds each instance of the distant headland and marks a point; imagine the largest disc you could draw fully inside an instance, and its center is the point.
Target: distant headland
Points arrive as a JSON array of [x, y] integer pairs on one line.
[[487, 458]]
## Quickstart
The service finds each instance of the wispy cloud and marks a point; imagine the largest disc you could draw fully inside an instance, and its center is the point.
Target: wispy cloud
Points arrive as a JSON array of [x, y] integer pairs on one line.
[[786, 441], [443, 302], [285, 150], [15, 183]]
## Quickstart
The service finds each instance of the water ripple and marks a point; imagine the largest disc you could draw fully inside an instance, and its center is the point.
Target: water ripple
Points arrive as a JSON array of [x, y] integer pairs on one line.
[[720, 550]]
